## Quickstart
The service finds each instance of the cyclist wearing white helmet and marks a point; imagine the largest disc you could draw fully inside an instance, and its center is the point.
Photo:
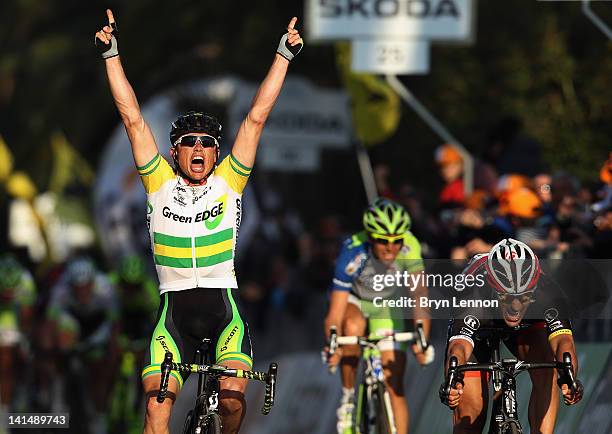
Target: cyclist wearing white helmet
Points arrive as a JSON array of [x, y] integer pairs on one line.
[[533, 314], [82, 313], [384, 247]]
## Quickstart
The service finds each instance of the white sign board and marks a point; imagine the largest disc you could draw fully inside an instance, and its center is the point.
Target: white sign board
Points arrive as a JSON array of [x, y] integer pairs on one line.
[[301, 156], [303, 111], [390, 56], [436, 20], [305, 119]]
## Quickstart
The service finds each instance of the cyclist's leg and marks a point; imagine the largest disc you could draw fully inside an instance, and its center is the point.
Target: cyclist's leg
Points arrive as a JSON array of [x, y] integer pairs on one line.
[[532, 346], [9, 339], [353, 324], [232, 402], [157, 416], [7, 358], [233, 349], [166, 337], [393, 357], [470, 415]]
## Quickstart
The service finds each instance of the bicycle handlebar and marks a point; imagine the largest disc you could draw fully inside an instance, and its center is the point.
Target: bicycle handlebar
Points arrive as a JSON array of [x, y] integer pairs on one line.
[[564, 369], [270, 389], [220, 371], [166, 367], [418, 336]]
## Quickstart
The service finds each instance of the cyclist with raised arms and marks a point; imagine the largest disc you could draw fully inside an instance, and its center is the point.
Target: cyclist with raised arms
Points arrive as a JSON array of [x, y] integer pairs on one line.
[[384, 247], [194, 215], [533, 314]]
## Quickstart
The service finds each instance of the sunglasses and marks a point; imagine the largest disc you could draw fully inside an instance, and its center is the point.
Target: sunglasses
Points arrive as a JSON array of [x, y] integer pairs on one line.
[[523, 298], [388, 240], [191, 141]]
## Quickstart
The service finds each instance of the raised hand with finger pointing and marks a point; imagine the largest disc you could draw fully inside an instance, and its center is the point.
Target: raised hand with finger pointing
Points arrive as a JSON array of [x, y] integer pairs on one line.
[[291, 43], [106, 38]]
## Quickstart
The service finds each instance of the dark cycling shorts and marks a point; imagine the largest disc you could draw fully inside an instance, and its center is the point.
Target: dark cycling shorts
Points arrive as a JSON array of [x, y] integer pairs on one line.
[[186, 317]]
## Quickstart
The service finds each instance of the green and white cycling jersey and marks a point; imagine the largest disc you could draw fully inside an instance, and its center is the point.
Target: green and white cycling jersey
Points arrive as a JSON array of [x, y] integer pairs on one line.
[[193, 229], [12, 301]]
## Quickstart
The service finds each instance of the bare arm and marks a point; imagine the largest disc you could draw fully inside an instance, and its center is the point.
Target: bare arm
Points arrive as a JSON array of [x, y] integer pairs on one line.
[[143, 143], [335, 314], [422, 314], [247, 139], [564, 344], [461, 349]]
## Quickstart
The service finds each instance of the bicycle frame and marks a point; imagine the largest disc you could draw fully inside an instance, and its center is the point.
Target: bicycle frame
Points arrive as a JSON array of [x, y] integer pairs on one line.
[[373, 375], [208, 389], [208, 394], [504, 412]]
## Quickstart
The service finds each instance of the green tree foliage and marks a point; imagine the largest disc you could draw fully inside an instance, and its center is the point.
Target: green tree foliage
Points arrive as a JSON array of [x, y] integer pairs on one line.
[[542, 61]]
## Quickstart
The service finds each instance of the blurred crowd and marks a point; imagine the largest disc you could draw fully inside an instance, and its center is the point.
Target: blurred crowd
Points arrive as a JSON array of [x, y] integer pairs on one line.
[[74, 336]]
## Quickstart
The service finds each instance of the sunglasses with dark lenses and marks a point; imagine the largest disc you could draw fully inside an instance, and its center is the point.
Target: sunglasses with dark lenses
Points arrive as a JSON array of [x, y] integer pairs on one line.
[[523, 298], [191, 141], [385, 241]]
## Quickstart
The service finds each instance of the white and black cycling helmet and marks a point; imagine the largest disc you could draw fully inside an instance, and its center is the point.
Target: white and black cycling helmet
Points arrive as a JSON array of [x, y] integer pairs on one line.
[[80, 271], [512, 267]]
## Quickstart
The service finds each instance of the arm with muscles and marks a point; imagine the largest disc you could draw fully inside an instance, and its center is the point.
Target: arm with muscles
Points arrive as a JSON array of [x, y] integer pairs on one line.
[[564, 343], [143, 143], [335, 314], [460, 347], [424, 356], [247, 139]]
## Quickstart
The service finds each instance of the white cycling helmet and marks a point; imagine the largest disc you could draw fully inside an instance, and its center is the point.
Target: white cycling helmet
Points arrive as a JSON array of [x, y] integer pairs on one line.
[[512, 267], [80, 272]]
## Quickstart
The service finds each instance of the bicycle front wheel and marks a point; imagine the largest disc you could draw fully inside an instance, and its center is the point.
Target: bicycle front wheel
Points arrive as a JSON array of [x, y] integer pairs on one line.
[[213, 424], [513, 428], [384, 413], [188, 427]]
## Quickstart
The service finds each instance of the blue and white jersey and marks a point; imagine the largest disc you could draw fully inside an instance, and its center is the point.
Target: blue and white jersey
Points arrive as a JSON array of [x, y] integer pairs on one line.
[[356, 266]]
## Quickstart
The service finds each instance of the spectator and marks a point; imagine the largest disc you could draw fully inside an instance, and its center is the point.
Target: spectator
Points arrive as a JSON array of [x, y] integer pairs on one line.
[[450, 164]]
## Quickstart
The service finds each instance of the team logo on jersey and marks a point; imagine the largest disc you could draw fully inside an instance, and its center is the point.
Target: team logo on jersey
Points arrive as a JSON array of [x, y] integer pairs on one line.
[[149, 208], [472, 322], [551, 314], [217, 212], [355, 264]]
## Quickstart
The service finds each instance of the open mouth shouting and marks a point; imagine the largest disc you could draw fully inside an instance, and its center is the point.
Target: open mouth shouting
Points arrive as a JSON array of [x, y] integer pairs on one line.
[[511, 315], [197, 164]]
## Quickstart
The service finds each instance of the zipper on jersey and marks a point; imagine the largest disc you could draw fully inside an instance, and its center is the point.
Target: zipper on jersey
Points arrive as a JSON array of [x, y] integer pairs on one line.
[[193, 238]]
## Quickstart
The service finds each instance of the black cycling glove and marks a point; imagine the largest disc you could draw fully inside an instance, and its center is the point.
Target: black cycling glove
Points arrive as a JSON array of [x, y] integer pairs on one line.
[[109, 50], [287, 50]]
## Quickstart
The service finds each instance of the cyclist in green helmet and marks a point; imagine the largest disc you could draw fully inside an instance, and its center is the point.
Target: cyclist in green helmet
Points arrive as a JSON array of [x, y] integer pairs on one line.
[[138, 301], [384, 247], [17, 298]]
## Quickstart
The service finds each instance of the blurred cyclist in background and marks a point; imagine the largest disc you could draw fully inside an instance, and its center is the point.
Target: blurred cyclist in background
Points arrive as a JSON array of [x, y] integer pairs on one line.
[[83, 312], [384, 247], [17, 298], [534, 315], [138, 301]]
